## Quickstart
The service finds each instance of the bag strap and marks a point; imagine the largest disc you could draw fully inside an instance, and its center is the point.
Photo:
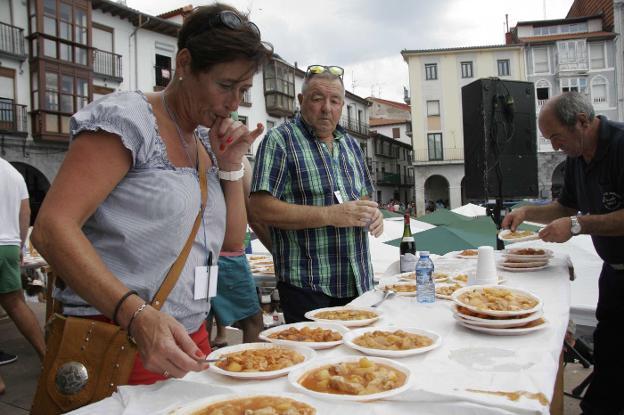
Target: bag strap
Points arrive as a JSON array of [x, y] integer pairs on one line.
[[175, 270]]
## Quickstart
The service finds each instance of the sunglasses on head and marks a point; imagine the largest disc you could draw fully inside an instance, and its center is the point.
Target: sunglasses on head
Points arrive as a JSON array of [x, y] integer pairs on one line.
[[318, 69], [232, 21]]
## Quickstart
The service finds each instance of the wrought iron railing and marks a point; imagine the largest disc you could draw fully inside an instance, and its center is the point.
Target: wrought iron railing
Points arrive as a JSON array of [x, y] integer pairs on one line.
[[12, 40], [13, 117], [107, 63]]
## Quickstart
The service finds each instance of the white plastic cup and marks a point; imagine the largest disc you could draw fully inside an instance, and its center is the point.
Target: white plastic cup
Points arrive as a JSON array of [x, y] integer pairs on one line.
[[486, 267]]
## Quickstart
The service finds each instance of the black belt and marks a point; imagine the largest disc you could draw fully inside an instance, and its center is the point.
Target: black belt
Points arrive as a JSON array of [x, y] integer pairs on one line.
[[617, 267]]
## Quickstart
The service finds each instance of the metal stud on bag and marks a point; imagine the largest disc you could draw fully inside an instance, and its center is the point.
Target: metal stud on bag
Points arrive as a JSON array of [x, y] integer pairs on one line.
[[71, 378]]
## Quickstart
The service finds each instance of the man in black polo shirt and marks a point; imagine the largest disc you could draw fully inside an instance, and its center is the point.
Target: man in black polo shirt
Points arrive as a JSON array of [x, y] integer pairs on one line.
[[592, 202]]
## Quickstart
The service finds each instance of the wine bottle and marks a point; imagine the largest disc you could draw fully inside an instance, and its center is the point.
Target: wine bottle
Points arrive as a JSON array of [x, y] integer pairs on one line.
[[407, 248]]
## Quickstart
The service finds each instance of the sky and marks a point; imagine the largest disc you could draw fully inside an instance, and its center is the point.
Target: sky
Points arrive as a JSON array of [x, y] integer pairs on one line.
[[366, 36]]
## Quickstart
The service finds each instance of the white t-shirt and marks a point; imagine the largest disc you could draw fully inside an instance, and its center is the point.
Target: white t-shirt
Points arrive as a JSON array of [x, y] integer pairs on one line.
[[12, 191]]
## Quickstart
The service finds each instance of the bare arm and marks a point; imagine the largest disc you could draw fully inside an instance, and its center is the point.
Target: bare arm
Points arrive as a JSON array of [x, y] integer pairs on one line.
[[540, 214], [93, 166], [608, 224], [24, 220], [271, 211], [236, 216]]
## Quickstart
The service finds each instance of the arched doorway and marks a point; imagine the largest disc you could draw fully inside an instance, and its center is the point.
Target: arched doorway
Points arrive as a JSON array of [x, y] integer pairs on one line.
[[557, 180], [37, 185], [437, 190]]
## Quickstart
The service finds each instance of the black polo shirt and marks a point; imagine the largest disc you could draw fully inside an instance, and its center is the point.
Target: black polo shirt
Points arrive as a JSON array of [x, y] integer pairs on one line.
[[597, 187]]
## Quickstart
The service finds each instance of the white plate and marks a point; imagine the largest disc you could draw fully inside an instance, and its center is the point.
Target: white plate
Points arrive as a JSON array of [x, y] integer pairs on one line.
[[503, 332], [527, 258], [311, 324], [197, 405], [445, 297], [514, 252], [524, 264], [353, 334], [382, 287], [461, 291], [521, 269], [504, 236], [459, 255], [484, 322], [347, 323], [307, 353], [296, 375]]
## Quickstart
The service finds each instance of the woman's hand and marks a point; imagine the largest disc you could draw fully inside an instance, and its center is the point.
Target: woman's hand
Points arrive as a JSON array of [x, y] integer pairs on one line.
[[165, 346], [231, 140]]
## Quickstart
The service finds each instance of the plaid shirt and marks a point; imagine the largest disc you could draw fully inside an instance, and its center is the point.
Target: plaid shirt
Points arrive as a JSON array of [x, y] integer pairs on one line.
[[297, 168]]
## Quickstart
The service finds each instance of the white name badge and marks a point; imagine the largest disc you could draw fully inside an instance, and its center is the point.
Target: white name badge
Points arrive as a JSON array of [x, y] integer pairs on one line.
[[338, 196], [205, 282]]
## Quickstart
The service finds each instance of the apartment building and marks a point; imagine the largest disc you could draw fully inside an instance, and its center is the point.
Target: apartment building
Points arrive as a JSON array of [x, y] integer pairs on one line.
[[58, 55], [390, 132], [436, 77], [571, 54]]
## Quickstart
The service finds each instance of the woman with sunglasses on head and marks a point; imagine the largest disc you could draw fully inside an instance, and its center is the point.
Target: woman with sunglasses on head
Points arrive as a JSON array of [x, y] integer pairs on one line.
[[127, 195]]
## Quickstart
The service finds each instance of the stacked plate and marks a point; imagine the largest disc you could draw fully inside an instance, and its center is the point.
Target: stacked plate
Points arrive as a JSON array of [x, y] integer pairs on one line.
[[261, 264], [501, 311], [525, 259]]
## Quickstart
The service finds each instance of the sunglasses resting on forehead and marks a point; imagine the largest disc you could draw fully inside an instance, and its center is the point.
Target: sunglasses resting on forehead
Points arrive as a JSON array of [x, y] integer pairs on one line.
[[319, 69], [230, 20]]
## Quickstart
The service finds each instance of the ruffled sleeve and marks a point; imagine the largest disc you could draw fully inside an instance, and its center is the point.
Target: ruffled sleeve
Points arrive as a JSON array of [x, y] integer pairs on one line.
[[125, 114]]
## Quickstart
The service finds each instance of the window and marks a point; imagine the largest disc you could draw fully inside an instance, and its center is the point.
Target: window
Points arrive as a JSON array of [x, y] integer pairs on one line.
[[163, 70], [540, 60], [599, 91], [542, 92], [396, 132], [431, 71], [597, 56], [279, 88], [503, 67], [574, 84], [434, 141], [64, 93], [572, 54], [433, 108], [466, 70]]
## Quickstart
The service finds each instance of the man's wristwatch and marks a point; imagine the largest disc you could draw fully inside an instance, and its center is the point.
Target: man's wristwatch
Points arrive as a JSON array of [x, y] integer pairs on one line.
[[575, 226], [232, 176]]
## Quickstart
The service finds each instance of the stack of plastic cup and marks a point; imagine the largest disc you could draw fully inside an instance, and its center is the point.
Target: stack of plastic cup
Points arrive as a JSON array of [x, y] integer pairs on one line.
[[486, 268]]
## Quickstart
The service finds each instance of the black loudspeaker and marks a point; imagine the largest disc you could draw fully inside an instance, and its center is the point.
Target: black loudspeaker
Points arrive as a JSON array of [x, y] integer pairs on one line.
[[500, 142]]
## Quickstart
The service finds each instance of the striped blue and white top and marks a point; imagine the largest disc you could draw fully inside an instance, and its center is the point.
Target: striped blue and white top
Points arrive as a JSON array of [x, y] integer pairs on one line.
[[141, 226]]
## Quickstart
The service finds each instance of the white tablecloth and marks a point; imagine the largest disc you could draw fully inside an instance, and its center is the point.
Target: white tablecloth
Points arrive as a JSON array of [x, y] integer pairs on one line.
[[465, 360]]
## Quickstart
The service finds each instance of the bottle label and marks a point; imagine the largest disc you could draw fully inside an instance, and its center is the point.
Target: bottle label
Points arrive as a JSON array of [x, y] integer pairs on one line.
[[407, 239], [407, 262]]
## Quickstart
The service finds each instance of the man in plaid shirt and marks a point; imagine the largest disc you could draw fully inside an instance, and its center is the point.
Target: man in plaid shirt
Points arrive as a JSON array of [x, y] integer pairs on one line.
[[312, 187]]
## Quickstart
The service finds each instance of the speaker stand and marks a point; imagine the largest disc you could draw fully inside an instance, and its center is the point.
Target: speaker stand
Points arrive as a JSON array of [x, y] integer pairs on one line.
[[496, 216]]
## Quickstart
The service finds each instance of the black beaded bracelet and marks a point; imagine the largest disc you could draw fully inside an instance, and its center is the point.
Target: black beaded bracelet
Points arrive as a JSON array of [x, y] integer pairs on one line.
[[120, 302]]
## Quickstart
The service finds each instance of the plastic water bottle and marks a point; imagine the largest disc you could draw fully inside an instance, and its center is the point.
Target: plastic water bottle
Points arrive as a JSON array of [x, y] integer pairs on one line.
[[425, 287]]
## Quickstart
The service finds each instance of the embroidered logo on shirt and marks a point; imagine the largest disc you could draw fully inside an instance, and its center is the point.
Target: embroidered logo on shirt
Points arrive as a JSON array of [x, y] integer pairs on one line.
[[611, 200]]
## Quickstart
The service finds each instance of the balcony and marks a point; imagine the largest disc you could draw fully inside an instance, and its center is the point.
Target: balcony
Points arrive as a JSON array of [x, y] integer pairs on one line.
[[107, 64], [407, 181], [353, 126], [12, 42], [13, 118], [450, 156], [388, 179]]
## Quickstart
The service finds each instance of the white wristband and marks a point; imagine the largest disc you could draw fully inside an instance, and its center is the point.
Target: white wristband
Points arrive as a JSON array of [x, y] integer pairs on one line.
[[232, 176]]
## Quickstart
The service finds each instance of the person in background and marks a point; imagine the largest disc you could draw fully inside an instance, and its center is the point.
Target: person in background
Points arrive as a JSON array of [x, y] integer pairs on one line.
[[312, 188], [14, 221], [237, 302], [591, 203], [127, 195]]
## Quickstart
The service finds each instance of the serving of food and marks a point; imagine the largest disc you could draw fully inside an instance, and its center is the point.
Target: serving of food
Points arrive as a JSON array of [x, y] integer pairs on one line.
[[495, 300], [346, 316], [517, 236], [261, 264], [265, 404], [316, 335], [468, 253], [445, 291], [392, 341], [407, 289], [351, 378], [259, 360]]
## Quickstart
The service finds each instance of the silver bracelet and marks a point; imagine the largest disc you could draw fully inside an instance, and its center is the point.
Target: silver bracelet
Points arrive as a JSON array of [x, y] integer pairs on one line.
[[134, 315]]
